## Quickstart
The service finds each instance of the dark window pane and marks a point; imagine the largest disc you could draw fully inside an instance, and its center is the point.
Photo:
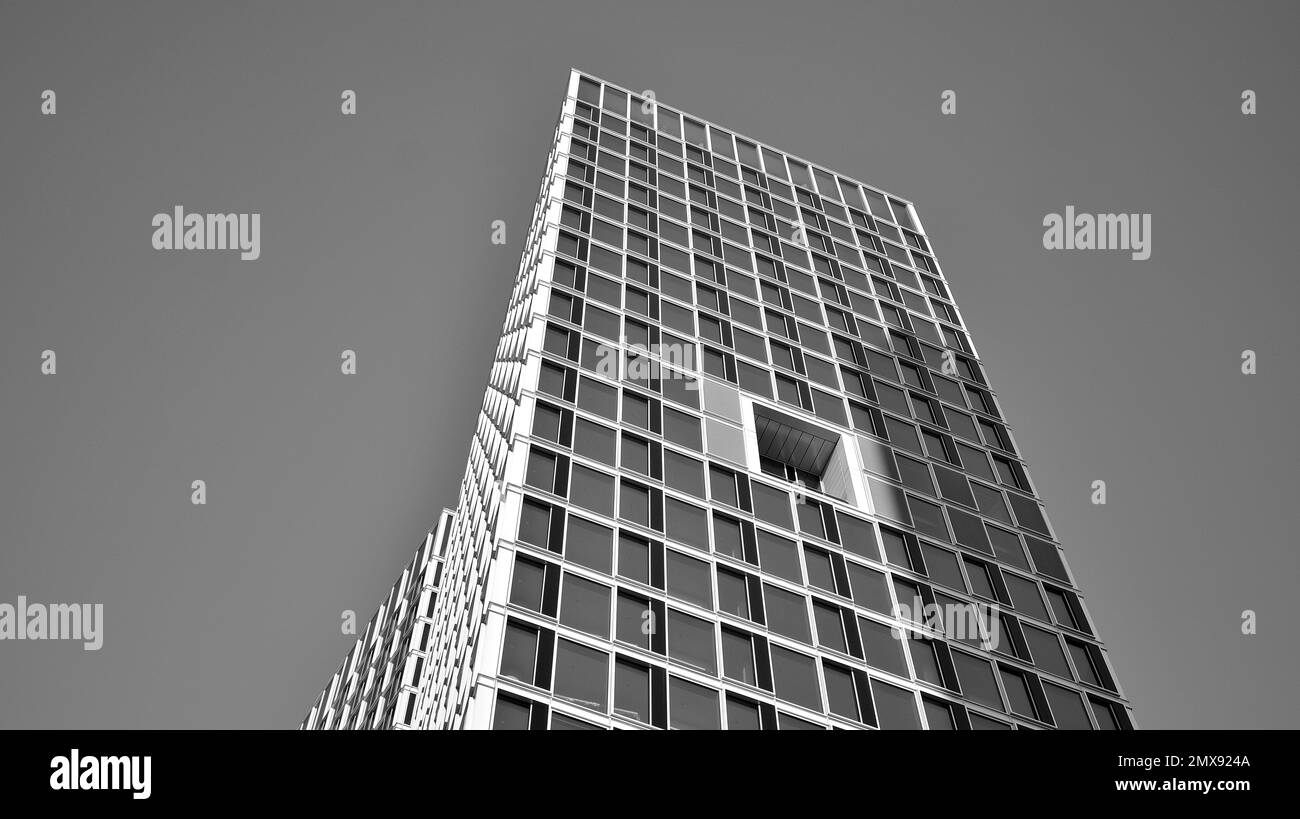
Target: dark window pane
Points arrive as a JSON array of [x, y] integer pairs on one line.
[[779, 556], [519, 652], [688, 579], [795, 678], [687, 524], [977, 681], [883, 646], [634, 558], [594, 441], [692, 706], [582, 675], [742, 715], [1067, 708], [738, 656], [895, 707], [841, 697], [690, 641], [632, 691], [584, 605], [511, 714], [526, 585], [869, 589], [787, 613], [592, 490], [589, 544]]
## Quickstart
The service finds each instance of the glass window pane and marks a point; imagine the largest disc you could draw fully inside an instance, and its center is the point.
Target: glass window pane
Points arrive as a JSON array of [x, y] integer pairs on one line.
[[795, 678], [519, 652], [787, 613], [883, 646], [895, 707], [582, 675], [689, 579], [692, 706], [632, 691], [690, 641], [589, 544], [584, 605]]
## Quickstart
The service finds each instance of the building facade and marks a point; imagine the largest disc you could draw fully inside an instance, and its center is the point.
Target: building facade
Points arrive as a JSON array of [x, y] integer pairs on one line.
[[738, 466]]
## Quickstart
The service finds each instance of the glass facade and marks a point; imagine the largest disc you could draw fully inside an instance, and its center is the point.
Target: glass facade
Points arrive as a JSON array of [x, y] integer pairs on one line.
[[738, 466]]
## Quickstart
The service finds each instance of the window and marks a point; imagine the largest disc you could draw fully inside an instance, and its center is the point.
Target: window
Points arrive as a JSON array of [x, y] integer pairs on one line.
[[690, 641], [1105, 714], [595, 441], [1063, 607], [1067, 708], [546, 423], [738, 656], [821, 569], [1006, 546], [637, 411], [535, 524], [582, 675], [869, 589], [692, 706], [742, 714], [636, 454], [883, 646], [727, 538], [592, 490], [977, 681], [597, 398], [634, 558], [682, 429], [830, 627], [810, 516], [631, 690], [938, 715], [519, 652], [895, 707], [1046, 649], [589, 544], [512, 714], [925, 658], [689, 579], [584, 605], [980, 583], [683, 473], [841, 693], [634, 503], [633, 620], [722, 486], [1018, 696], [733, 593], [687, 524], [541, 470], [942, 567], [794, 676], [787, 613], [779, 556], [564, 722], [772, 505], [857, 536], [528, 583], [1026, 597], [1087, 661]]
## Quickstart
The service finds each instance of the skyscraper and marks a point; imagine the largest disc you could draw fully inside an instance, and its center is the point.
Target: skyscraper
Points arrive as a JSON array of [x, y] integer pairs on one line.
[[738, 466]]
